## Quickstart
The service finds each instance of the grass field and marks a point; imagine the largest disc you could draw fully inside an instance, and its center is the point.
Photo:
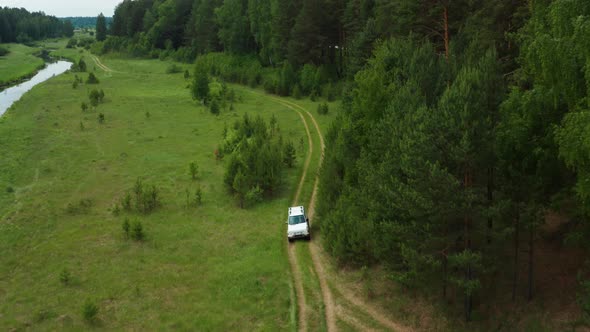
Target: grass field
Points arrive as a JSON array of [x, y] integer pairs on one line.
[[19, 63], [214, 267]]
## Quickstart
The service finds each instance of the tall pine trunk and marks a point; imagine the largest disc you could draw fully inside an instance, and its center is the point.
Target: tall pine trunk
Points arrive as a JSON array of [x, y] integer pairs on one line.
[[490, 188], [515, 275], [467, 233], [531, 260], [446, 25]]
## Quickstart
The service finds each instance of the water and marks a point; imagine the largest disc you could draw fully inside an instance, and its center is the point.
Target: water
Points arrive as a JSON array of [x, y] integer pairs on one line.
[[10, 95]]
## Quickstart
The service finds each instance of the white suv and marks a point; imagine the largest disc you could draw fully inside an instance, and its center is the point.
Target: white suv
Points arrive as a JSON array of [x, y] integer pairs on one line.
[[298, 224]]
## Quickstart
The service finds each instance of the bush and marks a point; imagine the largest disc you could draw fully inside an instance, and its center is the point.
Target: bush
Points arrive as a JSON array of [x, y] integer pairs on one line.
[[323, 109], [84, 107], [126, 227], [72, 43], [254, 196], [214, 107], [3, 51], [194, 170], [89, 311], [174, 69], [92, 79], [137, 232], [65, 277], [289, 155], [81, 65], [9, 189], [83, 207], [100, 118]]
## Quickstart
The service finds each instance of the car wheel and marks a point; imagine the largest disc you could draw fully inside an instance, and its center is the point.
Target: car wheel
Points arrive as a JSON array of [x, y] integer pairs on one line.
[[290, 239]]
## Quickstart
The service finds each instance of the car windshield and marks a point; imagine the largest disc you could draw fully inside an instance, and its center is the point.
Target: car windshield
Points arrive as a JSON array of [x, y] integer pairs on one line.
[[294, 220]]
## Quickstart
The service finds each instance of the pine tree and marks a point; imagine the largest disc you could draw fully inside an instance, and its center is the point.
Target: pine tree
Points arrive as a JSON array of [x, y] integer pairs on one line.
[[101, 27]]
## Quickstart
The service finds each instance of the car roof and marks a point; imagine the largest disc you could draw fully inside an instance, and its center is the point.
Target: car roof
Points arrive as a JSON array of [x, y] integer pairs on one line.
[[296, 211]]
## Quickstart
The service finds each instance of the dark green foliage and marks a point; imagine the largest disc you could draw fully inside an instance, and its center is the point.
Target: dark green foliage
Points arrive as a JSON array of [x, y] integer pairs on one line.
[[200, 86], [75, 84], [96, 97], [137, 232], [81, 65], [9, 189], [101, 28], [92, 79], [144, 198], [289, 154], [89, 311], [255, 160], [72, 43], [100, 118], [174, 69], [126, 227], [214, 106], [322, 108], [187, 75], [22, 26], [3, 51], [84, 106]]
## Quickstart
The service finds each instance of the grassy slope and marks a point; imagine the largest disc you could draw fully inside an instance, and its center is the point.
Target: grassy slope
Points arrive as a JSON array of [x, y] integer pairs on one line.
[[19, 63], [214, 267]]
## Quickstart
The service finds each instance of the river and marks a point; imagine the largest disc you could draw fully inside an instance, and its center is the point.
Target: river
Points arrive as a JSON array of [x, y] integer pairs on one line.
[[11, 95]]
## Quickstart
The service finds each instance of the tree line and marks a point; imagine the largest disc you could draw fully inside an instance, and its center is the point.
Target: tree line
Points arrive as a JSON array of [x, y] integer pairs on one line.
[[21, 26], [452, 147]]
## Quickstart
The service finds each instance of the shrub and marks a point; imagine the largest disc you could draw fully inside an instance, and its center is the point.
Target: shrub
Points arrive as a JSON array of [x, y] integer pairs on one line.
[[194, 170], [72, 43], [187, 75], [82, 126], [323, 109], [126, 227], [214, 107], [83, 207], [289, 155], [173, 69], [89, 311], [75, 84], [81, 65], [100, 118], [198, 196], [254, 195], [65, 277], [126, 202], [84, 107], [3, 51], [92, 79], [9, 189], [137, 231]]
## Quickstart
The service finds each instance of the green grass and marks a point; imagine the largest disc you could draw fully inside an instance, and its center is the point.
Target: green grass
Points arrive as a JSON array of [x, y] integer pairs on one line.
[[19, 63], [215, 267]]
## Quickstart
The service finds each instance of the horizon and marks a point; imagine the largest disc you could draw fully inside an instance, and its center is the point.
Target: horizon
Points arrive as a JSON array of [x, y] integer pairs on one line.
[[66, 8]]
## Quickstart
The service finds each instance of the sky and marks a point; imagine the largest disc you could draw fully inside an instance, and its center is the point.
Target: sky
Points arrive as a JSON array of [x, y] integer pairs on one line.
[[63, 8]]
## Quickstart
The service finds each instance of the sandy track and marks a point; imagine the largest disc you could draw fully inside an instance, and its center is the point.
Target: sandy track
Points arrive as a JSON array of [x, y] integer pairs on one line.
[[332, 311], [100, 64]]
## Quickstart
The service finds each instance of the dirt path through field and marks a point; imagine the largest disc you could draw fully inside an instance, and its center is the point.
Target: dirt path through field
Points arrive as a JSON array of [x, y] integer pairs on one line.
[[332, 311], [100, 64]]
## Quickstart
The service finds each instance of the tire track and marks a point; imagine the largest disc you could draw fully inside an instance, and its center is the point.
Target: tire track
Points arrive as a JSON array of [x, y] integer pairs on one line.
[[100, 64], [316, 252], [316, 255]]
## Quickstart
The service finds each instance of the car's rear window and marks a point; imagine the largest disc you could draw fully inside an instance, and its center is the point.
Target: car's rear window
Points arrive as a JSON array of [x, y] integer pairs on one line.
[[294, 220]]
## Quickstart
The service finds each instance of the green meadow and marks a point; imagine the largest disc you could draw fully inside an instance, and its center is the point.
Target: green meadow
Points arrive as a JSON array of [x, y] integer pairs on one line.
[[19, 63], [211, 267]]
